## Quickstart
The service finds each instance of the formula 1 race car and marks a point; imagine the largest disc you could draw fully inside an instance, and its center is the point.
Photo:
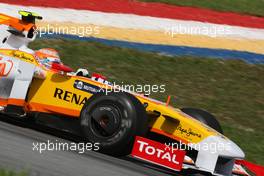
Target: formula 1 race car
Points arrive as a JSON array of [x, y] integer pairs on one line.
[[124, 123]]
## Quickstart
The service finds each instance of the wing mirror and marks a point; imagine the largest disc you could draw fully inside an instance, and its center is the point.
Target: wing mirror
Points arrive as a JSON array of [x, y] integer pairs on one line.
[[60, 67]]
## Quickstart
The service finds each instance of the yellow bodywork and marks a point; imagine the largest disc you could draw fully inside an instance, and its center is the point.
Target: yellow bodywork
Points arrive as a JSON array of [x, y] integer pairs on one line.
[[171, 122], [56, 94]]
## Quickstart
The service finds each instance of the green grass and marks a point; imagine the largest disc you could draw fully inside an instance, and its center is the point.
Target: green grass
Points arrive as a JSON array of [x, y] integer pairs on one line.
[[231, 90], [4, 172], [251, 7]]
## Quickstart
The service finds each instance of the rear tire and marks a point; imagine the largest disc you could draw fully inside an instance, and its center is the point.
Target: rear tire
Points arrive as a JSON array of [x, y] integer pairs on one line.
[[113, 120], [204, 117]]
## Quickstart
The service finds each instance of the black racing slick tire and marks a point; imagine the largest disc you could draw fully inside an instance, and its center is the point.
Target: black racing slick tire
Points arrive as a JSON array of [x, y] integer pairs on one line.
[[204, 117], [113, 121]]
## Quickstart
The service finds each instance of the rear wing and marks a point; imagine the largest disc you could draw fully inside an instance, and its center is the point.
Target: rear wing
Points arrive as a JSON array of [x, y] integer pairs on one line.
[[15, 23], [19, 26]]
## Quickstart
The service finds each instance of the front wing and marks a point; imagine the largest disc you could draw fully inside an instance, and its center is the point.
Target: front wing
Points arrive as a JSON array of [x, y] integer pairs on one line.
[[163, 155]]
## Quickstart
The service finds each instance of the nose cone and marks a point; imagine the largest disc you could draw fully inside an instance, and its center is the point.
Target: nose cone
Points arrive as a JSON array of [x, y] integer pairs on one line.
[[223, 146], [214, 146], [233, 150]]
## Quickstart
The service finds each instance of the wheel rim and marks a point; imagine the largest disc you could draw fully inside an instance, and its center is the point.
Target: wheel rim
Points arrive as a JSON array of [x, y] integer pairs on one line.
[[105, 121]]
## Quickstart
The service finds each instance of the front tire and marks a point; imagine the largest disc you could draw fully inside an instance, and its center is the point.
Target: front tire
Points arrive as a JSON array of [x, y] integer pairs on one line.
[[113, 120], [204, 117]]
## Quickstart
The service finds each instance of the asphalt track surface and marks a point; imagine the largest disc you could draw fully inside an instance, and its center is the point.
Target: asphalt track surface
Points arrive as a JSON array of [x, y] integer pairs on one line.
[[16, 154]]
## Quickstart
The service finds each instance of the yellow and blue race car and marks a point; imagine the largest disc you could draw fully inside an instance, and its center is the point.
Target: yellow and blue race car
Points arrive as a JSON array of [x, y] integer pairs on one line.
[[122, 122]]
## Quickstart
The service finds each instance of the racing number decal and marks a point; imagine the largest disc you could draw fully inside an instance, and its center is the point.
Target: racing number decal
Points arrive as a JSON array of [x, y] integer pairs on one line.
[[2, 69], [5, 67]]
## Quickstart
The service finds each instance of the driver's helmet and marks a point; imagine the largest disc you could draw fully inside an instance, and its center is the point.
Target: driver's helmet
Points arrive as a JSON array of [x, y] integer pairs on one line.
[[48, 56]]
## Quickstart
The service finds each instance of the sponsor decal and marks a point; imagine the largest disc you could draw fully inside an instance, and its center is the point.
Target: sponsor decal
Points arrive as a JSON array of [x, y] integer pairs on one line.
[[69, 96], [188, 132], [24, 56], [87, 87], [157, 153]]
